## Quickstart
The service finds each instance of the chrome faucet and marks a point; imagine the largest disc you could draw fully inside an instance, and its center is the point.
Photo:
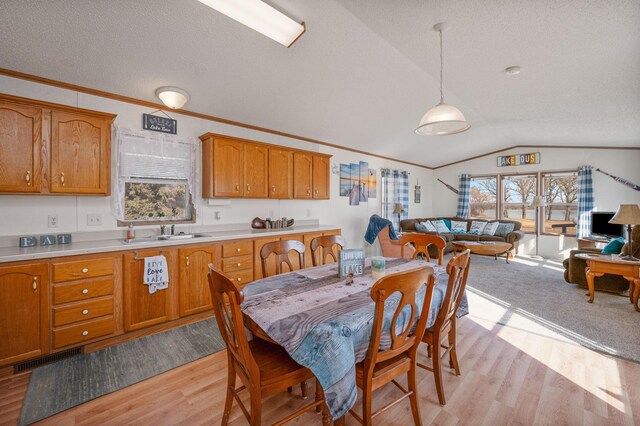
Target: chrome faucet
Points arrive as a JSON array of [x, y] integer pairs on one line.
[[173, 229], [162, 229]]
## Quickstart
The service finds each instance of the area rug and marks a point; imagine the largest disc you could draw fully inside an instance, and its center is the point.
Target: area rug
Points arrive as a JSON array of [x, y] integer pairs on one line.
[[537, 290], [59, 386]]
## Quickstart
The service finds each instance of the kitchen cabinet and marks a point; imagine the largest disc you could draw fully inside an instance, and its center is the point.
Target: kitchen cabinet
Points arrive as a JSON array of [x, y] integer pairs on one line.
[[237, 261], [225, 169], [280, 173], [141, 308], [194, 285], [20, 148], [320, 177], [302, 175], [255, 168], [24, 319]]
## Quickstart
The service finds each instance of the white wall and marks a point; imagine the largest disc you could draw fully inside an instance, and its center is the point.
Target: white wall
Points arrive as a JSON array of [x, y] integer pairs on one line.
[[27, 214], [608, 193]]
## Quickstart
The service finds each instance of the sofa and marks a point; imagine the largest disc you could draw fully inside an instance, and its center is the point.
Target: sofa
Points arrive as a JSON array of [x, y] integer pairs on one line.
[[574, 272], [513, 237]]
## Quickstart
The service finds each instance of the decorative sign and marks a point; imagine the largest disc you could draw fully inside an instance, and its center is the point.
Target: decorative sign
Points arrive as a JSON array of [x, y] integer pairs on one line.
[[351, 261], [159, 124], [416, 195], [64, 238], [519, 159], [29, 241]]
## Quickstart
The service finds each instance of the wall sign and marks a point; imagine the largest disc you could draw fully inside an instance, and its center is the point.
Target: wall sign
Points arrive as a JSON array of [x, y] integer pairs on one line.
[[159, 124], [519, 159], [351, 261]]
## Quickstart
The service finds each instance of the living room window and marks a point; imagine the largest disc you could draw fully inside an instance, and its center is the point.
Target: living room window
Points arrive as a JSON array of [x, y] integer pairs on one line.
[[517, 194], [561, 195], [483, 199]]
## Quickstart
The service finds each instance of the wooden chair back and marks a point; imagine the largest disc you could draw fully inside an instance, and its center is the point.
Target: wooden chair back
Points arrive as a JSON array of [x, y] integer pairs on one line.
[[281, 250], [227, 297], [392, 248], [421, 242], [407, 283], [325, 242], [458, 270]]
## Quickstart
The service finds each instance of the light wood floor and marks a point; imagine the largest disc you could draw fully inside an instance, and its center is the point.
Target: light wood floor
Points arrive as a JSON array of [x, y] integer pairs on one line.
[[509, 376]]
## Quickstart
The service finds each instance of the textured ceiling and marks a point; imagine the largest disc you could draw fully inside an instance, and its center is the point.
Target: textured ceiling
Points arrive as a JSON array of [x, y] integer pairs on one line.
[[364, 72]]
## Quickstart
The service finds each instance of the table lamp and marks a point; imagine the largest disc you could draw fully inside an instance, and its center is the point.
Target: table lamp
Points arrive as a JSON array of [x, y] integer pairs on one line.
[[398, 210], [627, 214]]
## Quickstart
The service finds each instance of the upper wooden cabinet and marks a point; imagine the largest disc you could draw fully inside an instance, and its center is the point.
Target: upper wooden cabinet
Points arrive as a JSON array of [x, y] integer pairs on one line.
[[240, 168], [48, 148]]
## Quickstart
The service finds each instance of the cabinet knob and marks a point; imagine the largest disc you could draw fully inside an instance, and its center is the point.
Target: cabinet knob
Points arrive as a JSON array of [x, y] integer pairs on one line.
[[248, 187], [237, 187], [238, 250], [35, 284], [239, 264], [273, 189], [187, 259], [85, 333], [85, 270], [85, 312], [239, 279], [62, 178], [316, 192], [27, 177], [85, 291], [308, 191]]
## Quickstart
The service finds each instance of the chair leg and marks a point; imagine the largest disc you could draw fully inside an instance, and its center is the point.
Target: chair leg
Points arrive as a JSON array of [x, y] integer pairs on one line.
[[231, 384], [326, 419], [366, 406], [319, 395], [256, 409], [453, 357], [437, 370], [303, 389], [413, 398]]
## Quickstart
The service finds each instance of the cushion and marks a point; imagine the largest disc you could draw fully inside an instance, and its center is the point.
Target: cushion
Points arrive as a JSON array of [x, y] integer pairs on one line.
[[504, 228], [491, 238], [440, 226], [477, 227], [419, 227], [458, 227], [490, 228], [466, 237], [614, 246], [429, 226], [446, 222]]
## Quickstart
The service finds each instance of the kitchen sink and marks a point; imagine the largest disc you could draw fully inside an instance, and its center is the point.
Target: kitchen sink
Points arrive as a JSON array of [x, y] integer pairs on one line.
[[155, 238]]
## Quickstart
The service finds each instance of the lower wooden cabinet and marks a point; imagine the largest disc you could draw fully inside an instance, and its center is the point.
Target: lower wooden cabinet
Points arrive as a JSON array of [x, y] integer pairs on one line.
[[24, 319], [195, 295]]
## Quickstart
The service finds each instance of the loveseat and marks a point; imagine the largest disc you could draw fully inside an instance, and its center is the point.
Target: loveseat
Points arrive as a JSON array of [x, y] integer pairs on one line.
[[513, 237]]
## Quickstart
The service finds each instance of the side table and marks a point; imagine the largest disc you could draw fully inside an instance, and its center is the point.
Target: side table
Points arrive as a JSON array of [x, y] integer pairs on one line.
[[600, 264]]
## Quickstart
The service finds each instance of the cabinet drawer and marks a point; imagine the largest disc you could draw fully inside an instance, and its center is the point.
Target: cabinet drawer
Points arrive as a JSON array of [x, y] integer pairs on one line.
[[83, 331], [237, 263], [237, 248], [241, 277], [82, 269], [80, 291], [82, 311]]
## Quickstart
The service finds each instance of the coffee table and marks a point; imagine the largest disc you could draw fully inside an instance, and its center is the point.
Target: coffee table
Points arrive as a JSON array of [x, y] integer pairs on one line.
[[600, 264], [485, 248]]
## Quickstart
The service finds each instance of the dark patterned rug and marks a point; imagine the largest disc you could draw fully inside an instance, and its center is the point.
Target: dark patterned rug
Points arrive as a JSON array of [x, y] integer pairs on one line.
[[59, 386]]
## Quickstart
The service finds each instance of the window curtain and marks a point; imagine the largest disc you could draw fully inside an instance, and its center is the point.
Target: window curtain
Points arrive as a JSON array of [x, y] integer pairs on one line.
[[585, 200], [395, 190], [463, 196]]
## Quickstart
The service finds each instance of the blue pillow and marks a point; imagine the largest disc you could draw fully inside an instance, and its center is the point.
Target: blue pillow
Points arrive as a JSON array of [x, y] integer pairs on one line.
[[420, 227], [614, 247], [446, 222]]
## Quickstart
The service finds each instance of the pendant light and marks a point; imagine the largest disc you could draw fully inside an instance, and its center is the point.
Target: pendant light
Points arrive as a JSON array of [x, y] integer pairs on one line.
[[442, 119]]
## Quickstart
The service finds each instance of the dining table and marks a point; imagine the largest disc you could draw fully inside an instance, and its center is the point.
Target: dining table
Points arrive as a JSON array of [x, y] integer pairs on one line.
[[324, 321]]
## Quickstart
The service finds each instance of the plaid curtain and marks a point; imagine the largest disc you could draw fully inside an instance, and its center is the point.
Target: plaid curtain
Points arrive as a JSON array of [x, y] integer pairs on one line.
[[463, 196], [585, 200], [395, 189]]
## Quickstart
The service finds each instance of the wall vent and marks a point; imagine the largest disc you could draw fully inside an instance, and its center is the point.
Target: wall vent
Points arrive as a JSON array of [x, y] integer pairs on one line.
[[47, 359]]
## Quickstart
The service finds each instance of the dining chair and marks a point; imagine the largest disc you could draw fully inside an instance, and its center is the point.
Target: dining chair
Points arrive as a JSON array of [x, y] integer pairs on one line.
[[421, 242], [264, 368], [445, 324], [281, 250], [326, 242], [401, 341]]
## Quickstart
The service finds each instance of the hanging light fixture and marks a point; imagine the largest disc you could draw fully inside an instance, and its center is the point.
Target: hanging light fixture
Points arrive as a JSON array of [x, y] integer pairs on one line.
[[173, 97], [442, 119]]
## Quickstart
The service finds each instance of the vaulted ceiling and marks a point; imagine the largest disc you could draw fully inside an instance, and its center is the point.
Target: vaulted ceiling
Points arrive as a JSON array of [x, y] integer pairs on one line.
[[364, 72]]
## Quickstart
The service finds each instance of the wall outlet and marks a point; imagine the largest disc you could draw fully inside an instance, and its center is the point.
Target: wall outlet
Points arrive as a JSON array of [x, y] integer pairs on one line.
[[216, 215], [52, 221], [94, 219]]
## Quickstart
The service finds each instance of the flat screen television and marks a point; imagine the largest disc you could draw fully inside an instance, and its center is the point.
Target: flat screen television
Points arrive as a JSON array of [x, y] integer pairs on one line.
[[600, 226]]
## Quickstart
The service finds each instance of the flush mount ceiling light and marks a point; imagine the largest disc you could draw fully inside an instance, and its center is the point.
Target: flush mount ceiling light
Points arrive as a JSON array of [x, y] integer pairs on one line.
[[442, 119], [260, 17], [173, 97], [515, 70]]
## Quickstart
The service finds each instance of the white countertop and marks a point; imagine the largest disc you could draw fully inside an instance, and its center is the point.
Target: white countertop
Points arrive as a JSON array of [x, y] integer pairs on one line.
[[14, 254]]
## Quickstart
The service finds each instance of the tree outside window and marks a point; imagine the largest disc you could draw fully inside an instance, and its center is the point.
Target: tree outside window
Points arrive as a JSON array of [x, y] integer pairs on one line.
[[483, 197], [517, 194], [561, 195]]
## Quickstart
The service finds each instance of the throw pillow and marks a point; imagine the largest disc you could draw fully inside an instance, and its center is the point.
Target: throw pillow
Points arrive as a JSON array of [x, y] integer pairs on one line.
[[477, 227], [504, 228], [429, 226], [458, 227], [447, 222], [441, 228], [614, 246], [420, 227], [490, 228]]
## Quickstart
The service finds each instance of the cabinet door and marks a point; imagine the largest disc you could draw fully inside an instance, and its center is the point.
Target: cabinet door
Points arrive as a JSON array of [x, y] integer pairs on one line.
[[320, 177], [80, 153], [20, 147], [280, 173], [228, 168], [256, 164], [302, 175], [194, 286], [24, 320], [142, 309]]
